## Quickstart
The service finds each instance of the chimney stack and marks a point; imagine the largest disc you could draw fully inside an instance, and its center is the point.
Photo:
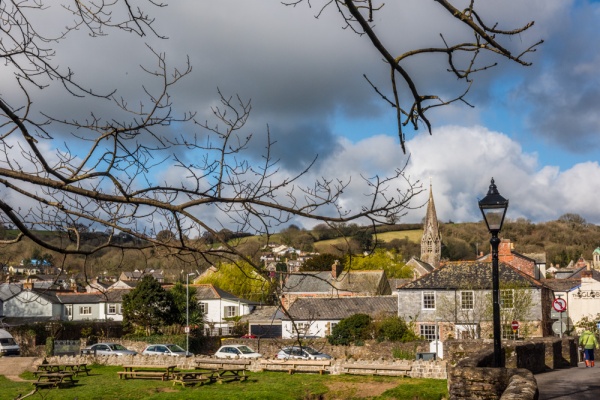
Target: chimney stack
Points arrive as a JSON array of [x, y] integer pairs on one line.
[[336, 269]]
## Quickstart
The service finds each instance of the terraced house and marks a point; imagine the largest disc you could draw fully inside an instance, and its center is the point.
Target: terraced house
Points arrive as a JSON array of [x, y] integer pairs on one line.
[[455, 300]]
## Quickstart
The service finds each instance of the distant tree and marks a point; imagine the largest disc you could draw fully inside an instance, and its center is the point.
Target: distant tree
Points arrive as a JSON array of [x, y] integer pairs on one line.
[[574, 219], [320, 262], [457, 249], [364, 239], [352, 330], [149, 307], [389, 261], [165, 236]]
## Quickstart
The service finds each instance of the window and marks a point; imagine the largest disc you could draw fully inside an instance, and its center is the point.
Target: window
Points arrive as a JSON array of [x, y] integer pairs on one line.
[[112, 309], [69, 310], [85, 310], [428, 332], [203, 307], [302, 328], [507, 299], [428, 301], [230, 311], [466, 300], [508, 333]]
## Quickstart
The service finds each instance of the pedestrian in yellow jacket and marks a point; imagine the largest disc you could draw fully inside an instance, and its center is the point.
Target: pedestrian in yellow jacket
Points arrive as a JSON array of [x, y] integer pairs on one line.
[[588, 341]]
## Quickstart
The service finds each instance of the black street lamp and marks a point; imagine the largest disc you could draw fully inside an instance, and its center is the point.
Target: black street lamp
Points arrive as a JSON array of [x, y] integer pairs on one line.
[[493, 207]]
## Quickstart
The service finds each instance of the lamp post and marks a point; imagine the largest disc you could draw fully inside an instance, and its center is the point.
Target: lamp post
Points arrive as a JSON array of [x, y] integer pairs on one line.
[[187, 311], [493, 207]]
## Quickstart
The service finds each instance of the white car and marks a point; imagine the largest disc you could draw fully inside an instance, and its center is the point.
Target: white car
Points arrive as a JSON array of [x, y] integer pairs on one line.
[[236, 351], [165, 350], [302, 353]]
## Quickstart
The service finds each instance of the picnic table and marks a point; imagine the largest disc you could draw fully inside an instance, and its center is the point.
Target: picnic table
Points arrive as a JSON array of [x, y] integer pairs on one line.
[[189, 377], [163, 372], [54, 379], [75, 368], [219, 374]]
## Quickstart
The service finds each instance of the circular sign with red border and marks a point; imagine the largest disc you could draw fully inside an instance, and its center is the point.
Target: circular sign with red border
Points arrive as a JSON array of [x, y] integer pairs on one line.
[[560, 305], [514, 325]]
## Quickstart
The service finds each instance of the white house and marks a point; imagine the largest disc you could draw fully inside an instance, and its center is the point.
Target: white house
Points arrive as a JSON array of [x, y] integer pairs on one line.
[[219, 307], [317, 316]]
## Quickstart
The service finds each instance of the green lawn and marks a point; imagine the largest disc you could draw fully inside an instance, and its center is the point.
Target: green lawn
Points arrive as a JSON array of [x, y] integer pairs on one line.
[[103, 383]]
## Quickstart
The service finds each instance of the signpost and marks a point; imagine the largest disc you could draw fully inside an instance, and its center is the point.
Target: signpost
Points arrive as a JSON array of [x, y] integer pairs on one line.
[[560, 305], [515, 326]]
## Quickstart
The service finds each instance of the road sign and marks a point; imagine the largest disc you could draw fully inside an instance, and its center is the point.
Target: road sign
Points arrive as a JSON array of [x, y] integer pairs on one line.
[[559, 305], [559, 327], [515, 325], [186, 329]]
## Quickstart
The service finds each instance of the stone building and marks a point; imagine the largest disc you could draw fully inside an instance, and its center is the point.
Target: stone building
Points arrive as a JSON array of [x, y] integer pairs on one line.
[[454, 300]]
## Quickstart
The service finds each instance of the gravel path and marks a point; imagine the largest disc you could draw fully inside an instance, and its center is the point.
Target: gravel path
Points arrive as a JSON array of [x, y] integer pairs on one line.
[[12, 367]]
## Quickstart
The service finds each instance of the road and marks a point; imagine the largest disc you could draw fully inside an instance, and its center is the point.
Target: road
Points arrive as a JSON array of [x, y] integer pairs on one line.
[[573, 383]]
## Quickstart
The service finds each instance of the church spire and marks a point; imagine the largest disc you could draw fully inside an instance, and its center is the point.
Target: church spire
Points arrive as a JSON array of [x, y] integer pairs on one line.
[[431, 242]]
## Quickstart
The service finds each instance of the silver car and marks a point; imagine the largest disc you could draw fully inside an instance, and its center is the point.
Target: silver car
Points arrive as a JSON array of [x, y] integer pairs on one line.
[[165, 350], [302, 353], [108, 349]]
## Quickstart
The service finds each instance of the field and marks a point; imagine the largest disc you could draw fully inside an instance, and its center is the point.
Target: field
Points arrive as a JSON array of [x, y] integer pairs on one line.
[[414, 235], [104, 384]]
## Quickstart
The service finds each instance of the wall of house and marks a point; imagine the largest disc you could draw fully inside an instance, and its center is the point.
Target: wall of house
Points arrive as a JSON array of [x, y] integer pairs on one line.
[[584, 301], [315, 328], [28, 304], [448, 312]]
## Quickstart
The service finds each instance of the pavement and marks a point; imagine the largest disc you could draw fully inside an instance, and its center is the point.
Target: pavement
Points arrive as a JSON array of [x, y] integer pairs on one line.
[[578, 383]]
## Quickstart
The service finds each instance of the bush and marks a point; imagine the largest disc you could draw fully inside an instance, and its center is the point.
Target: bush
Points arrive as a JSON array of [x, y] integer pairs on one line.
[[394, 329], [352, 330]]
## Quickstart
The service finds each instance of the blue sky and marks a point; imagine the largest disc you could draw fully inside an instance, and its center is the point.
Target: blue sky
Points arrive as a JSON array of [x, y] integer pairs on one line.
[[534, 129]]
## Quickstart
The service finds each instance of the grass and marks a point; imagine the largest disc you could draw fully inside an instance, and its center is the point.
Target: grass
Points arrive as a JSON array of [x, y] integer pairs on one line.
[[103, 383], [414, 235]]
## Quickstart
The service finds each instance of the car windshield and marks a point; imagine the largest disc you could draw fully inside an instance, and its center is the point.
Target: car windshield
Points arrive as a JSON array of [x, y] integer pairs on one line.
[[245, 350], [175, 349], [310, 350], [8, 341], [117, 347]]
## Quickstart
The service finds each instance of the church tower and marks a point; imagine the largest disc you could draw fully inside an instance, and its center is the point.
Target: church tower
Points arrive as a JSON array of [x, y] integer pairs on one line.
[[431, 242]]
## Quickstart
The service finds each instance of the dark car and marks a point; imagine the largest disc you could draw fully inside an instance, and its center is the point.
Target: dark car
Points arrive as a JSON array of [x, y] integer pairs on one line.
[[301, 352]]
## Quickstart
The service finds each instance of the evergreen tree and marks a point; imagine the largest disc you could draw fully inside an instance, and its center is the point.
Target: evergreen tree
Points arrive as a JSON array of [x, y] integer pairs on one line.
[[148, 307]]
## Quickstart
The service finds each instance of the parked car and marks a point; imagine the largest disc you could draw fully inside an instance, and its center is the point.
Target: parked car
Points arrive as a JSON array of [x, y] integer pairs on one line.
[[301, 352], [236, 351], [108, 349], [165, 350], [8, 346], [249, 336]]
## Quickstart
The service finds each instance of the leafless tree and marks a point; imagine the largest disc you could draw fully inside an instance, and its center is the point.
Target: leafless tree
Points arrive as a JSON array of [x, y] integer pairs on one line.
[[463, 58], [103, 177]]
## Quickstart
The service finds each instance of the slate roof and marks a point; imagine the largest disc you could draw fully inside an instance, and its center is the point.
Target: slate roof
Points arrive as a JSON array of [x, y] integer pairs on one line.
[[476, 275], [210, 292], [561, 285], [79, 298], [264, 313], [336, 308], [364, 281]]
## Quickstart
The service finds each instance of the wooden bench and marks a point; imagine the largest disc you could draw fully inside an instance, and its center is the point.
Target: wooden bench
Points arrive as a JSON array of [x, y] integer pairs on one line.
[[143, 374], [377, 369], [292, 366]]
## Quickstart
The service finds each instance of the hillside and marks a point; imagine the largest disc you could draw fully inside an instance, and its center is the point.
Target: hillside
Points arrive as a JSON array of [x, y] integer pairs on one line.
[[562, 241]]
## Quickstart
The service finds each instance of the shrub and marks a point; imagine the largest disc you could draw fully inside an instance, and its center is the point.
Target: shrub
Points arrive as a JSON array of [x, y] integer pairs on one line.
[[394, 329], [354, 329]]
